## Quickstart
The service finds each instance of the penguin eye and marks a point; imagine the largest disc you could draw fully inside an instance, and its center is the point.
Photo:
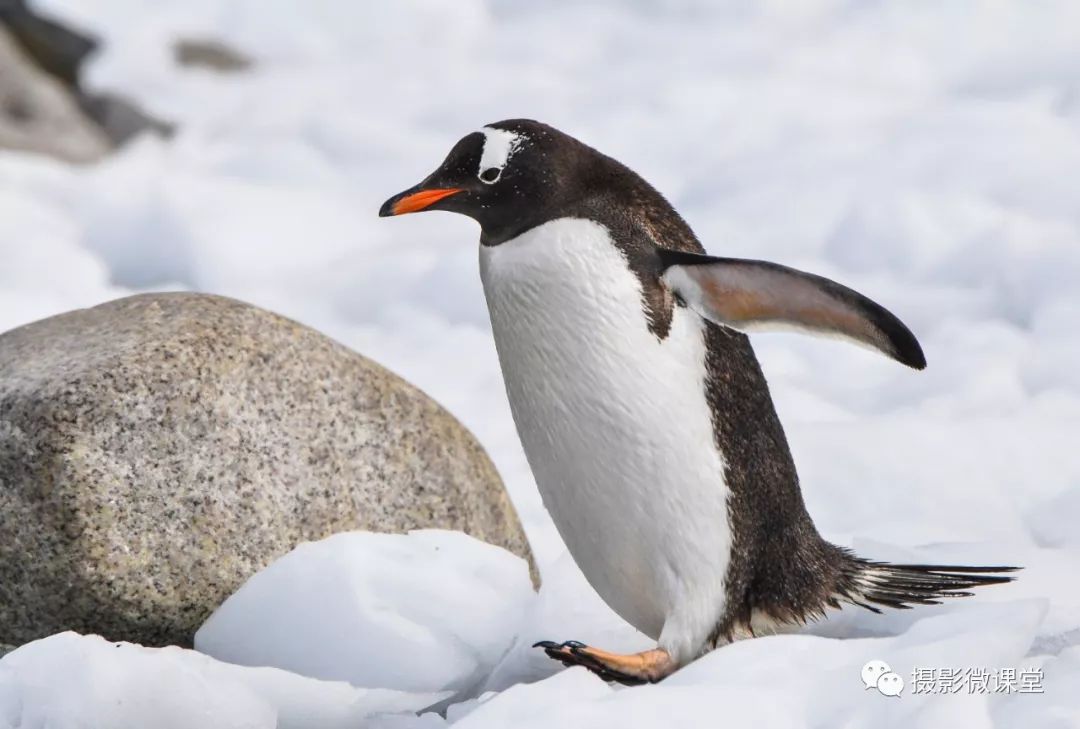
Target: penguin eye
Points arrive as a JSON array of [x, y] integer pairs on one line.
[[490, 175]]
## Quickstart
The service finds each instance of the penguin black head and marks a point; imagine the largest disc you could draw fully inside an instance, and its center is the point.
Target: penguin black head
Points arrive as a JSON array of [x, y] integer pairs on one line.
[[509, 177]]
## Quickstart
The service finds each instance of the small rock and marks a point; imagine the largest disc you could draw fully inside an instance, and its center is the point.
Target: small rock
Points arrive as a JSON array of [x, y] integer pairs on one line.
[[62, 52], [121, 119], [210, 54], [157, 451], [38, 114], [53, 47]]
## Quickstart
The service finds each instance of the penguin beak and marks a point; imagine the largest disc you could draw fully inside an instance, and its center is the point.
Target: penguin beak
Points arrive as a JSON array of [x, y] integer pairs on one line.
[[415, 199]]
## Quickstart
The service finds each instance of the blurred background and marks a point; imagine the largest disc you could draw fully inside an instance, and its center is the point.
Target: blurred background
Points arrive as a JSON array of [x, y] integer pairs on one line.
[[924, 153]]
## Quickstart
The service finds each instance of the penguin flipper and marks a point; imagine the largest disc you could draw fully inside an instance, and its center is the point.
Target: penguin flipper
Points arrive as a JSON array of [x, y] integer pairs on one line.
[[750, 296]]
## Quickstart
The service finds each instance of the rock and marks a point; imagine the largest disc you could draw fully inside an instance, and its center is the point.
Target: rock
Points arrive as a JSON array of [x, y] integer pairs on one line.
[[158, 450], [53, 47], [61, 53], [210, 54], [38, 114], [121, 119]]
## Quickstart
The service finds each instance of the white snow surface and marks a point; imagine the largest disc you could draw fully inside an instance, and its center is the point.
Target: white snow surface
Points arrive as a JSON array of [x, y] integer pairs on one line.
[[69, 681], [425, 611], [924, 153]]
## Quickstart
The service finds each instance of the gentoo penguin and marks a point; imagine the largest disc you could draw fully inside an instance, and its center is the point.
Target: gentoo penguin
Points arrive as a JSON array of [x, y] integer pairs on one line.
[[643, 412]]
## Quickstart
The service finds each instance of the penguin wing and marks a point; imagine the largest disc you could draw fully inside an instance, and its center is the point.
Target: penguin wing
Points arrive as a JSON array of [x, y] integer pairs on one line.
[[753, 296]]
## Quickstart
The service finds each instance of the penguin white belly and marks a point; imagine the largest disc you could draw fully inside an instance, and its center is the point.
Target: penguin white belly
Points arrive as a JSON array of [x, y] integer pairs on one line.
[[615, 425]]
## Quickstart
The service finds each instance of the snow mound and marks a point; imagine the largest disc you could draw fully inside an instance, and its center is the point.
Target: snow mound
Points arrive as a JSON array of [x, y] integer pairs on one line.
[[424, 611], [801, 680], [69, 681], [793, 681]]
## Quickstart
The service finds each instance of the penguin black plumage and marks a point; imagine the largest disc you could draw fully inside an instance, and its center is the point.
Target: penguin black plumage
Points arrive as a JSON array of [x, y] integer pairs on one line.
[[643, 412]]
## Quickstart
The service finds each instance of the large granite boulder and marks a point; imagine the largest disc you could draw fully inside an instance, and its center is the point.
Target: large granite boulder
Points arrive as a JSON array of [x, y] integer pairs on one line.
[[158, 450]]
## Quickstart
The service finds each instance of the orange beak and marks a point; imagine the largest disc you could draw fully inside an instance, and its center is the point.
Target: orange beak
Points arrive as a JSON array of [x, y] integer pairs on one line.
[[417, 201]]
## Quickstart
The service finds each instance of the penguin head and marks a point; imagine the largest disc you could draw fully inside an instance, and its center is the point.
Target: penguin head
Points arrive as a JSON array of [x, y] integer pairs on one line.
[[508, 177]]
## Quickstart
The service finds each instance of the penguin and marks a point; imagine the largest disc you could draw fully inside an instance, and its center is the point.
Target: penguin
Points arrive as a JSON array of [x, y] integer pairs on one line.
[[642, 409]]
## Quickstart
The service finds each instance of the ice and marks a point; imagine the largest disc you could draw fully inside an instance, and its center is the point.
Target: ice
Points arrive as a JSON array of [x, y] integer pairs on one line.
[[69, 681], [425, 611], [925, 154]]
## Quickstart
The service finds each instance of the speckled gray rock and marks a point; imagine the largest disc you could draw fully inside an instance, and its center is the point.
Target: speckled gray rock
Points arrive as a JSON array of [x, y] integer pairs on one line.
[[157, 450]]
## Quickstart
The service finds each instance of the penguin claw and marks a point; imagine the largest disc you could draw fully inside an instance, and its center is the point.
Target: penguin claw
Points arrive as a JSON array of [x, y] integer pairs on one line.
[[566, 653], [572, 653]]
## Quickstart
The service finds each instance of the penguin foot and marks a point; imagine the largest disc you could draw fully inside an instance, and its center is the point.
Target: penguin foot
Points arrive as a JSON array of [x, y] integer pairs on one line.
[[630, 670]]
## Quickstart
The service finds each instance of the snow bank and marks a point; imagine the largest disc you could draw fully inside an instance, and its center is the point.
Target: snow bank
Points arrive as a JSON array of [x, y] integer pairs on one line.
[[796, 681], [425, 611], [70, 681], [789, 681]]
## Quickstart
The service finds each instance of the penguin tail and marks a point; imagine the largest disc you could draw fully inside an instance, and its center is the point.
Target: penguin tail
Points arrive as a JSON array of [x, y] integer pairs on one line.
[[874, 585]]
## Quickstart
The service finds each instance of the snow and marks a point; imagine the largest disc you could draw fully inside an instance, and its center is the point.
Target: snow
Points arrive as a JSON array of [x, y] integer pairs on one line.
[[924, 154], [426, 611], [68, 681]]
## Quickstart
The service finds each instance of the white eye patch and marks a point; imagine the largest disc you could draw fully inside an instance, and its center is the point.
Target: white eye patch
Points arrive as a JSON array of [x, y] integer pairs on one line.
[[499, 146]]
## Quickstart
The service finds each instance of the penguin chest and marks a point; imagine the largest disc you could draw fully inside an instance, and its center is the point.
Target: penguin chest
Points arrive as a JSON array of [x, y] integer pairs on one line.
[[614, 421]]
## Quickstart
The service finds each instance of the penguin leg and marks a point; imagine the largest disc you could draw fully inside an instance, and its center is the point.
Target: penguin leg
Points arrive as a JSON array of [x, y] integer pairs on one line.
[[630, 670]]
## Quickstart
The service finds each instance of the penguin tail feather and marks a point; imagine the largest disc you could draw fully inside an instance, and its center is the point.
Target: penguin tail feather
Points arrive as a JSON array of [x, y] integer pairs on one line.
[[872, 584]]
